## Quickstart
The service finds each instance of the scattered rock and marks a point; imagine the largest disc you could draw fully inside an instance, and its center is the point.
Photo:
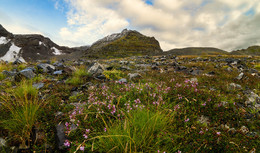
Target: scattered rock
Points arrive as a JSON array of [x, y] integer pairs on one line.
[[46, 68], [38, 85], [8, 73], [96, 69], [134, 76], [123, 80], [244, 130], [240, 76], [233, 86], [2, 143], [57, 72], [61, 137]]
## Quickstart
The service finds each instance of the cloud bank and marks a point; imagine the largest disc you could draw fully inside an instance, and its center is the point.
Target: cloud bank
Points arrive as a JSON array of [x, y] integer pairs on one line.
[[223, 24]]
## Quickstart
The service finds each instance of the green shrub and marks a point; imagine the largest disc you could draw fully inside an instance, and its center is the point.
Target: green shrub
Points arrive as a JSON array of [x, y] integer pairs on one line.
[[140, 131], [114, 74]]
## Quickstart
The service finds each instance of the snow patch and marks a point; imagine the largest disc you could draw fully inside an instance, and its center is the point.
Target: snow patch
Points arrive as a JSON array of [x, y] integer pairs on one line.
[[41, 43], [56, 51], [3, 40], [12, 54], [112, 37]]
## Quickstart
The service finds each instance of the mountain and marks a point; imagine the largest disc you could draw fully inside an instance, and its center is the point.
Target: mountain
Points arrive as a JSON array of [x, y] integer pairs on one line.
[[252, 50], [28, 47], [196, 51], [126, 43]]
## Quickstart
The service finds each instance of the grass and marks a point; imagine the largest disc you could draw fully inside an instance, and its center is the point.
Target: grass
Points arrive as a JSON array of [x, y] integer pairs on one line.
[[163, 112], [23, 105], [78, 76]]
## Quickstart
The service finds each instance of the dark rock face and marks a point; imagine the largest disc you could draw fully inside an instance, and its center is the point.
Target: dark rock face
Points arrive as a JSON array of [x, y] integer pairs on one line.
[[126, 43], [4, 32], [30, 47]]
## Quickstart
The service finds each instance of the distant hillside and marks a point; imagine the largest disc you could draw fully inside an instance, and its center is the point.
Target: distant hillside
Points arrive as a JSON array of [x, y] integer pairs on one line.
[[28, 47], [252, 50], [126, 43], [196, 51]]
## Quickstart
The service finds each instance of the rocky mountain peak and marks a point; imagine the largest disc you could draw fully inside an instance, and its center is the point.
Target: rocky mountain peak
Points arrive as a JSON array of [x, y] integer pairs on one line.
[[4, 32], [125, 43]]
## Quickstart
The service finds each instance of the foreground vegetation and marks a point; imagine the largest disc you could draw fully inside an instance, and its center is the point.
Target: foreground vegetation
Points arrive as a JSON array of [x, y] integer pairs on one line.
[[160, 111]]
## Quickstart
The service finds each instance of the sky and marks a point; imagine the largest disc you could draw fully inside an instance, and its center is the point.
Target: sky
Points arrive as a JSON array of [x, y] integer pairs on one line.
[[224, 24]]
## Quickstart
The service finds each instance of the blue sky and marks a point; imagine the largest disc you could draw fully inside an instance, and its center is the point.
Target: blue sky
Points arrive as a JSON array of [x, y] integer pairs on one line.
[[223, 24]]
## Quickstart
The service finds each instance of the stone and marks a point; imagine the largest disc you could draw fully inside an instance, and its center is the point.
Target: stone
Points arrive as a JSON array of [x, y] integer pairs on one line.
[[134, 76], [60, 135], [240, 76], [8, 73], [123, 80], [96, 69], [17, 61], [204, 120], [69, 70], [244, 130], [252, 98], [57, 72], [26, 73], [38, 85], [194, 80], [233, 86], [195, 72], [2, 143], [46, 68]]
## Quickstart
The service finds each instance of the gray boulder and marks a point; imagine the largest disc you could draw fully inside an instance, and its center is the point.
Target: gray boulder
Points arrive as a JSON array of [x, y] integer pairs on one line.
[[96, 69], [233, 86], [46, 68], [134, 76]]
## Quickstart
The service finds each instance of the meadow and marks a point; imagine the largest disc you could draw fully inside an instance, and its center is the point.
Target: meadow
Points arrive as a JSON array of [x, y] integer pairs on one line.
[[173, 105]]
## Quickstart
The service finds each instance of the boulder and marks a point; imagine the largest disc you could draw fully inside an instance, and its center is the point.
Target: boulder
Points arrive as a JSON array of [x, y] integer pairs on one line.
[[134, 76], [46, 68], [96, 69]]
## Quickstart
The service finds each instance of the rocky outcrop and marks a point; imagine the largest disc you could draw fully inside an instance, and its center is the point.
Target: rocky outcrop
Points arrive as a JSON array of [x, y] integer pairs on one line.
[[126, 43], [28, 47]]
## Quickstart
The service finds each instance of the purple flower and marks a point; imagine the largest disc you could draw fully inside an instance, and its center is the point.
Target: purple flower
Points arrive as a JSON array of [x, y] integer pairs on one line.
[[204, 104], [187, 119], [82, 148], [201, 132], [85, 136], [218, 133], [87, 130], [67, 143], [105, 129], [66, 124]]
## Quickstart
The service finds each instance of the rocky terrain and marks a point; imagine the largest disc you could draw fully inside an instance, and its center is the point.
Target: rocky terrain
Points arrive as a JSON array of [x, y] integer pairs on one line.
[[136, 104], [28, 47]]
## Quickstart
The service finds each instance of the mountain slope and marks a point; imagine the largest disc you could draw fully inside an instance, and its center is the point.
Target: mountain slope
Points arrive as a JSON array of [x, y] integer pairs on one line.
[[126, 43], [28, 47], [196, 51], [252, 50]]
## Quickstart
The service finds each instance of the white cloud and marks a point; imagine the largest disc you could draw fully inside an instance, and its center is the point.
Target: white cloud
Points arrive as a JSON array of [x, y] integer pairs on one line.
[[175, 23]]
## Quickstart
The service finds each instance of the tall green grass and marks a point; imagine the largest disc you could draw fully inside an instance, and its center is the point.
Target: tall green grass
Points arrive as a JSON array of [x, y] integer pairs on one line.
[[140, 131], [23, 106]]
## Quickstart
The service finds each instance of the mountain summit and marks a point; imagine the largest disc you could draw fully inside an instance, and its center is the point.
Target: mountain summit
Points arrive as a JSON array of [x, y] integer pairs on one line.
[[126, 43]]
